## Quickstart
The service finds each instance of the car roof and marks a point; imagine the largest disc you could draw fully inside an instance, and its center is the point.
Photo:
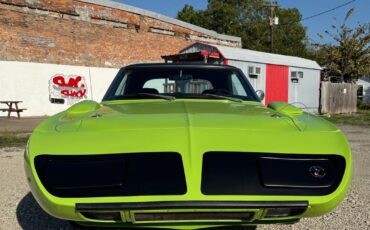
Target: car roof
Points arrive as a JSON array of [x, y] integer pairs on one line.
[[179, 65]]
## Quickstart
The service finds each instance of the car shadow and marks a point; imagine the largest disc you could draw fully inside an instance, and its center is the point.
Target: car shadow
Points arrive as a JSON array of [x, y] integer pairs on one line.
[[31, 216]]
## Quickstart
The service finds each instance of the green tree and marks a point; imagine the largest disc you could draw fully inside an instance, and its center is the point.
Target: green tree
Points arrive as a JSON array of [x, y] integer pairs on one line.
[[190, 15], [349, 56], [249, 19], [290, 35]]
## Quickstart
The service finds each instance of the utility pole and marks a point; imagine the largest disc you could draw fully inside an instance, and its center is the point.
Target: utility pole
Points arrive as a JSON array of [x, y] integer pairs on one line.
[[272, 21]]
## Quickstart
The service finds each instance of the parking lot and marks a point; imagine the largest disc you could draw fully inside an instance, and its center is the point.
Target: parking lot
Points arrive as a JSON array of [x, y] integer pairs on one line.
[[19, 210]]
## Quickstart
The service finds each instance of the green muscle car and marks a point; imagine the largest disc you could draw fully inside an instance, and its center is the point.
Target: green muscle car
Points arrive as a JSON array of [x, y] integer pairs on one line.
[[186, 146]]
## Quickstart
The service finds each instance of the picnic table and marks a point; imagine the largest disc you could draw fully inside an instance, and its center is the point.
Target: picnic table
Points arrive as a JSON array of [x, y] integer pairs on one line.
[[11, 109]]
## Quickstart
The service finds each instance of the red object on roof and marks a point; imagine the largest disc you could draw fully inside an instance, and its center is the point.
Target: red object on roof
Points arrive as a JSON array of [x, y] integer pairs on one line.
[[210, 54], [202, 55]]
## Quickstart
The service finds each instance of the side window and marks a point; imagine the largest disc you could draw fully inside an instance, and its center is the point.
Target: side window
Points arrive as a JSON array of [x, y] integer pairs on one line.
[[121, 87], [237, 87]]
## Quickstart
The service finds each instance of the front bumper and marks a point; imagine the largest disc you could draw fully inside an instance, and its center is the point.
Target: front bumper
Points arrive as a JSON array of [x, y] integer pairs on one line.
[[196, 212], [252, 208]]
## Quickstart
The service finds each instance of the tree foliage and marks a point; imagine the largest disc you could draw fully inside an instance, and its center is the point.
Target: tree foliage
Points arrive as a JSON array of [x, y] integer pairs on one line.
[[349, 56], [249, 19]]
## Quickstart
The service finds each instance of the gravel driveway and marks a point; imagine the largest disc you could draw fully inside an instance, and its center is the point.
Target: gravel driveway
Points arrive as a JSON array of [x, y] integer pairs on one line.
[[19, 210]]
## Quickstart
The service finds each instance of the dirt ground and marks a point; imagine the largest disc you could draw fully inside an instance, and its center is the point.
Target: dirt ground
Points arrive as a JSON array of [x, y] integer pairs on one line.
[[19, 210], [22, 125]]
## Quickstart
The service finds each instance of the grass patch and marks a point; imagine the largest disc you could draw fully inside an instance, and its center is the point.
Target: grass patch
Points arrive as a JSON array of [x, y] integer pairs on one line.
[[362, 117], [13, 140]]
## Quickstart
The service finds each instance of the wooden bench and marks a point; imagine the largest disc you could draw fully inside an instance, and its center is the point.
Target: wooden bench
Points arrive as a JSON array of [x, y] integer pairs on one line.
[[18, 111], [10, 108]]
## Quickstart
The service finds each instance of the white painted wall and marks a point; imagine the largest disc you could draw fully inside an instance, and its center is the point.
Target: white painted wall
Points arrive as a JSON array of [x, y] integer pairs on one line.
[[306, 93], [258, 83], [101, 78], [365, 83], [29, 82]]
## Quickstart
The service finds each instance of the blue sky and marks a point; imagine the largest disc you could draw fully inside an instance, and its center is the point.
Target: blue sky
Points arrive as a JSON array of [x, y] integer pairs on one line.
[[307, 8]]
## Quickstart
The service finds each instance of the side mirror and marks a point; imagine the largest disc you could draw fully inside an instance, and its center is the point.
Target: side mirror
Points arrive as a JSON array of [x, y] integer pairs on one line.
[[260, 94]]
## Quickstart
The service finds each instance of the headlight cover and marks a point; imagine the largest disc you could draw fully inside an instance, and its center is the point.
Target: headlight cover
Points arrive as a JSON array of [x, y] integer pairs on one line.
[[248, 173], [297, 172]]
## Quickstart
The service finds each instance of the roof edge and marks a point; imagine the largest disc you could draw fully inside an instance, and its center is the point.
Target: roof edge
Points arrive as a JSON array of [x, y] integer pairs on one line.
[[136, 10], [277, 56]]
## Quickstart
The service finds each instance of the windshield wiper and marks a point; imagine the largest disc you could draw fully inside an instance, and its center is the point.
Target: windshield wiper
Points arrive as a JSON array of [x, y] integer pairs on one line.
[[170, 98], [224, 97]]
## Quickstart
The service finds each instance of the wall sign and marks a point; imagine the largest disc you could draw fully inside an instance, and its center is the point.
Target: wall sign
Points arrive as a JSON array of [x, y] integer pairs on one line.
[[70, 89]]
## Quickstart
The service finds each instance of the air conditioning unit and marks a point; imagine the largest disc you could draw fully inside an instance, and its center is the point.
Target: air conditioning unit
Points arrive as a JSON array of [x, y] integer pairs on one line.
[[295, 75], [254, 71]]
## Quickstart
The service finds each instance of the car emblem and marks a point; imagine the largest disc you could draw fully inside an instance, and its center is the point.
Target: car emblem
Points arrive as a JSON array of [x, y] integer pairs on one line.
[[317, 171]]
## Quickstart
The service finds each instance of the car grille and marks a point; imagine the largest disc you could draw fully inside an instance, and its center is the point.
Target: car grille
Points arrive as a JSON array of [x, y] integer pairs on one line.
[[177, 211], [183, 216], [133, 174]]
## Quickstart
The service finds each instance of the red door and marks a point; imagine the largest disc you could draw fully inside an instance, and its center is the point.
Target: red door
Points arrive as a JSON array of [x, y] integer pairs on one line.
[[276, 83]]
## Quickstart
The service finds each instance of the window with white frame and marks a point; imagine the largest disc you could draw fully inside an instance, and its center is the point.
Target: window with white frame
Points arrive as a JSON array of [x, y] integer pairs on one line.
[[295, 76]]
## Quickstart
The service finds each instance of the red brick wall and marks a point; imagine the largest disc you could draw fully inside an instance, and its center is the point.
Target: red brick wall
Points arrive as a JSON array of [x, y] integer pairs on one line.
[[76, 33]]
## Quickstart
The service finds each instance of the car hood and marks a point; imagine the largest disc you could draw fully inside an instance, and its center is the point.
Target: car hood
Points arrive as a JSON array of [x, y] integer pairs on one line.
[[210, 114], [189, 127], [214, 114]]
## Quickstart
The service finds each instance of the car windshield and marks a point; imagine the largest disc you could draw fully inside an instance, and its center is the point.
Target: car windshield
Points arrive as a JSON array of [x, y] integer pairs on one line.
[[174, 83]]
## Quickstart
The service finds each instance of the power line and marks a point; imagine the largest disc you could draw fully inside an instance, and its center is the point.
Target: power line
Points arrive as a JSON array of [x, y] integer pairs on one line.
[[321, 13], [327, 11]]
